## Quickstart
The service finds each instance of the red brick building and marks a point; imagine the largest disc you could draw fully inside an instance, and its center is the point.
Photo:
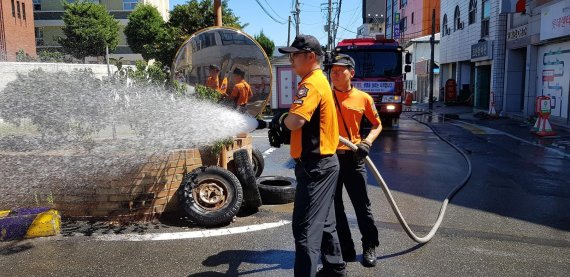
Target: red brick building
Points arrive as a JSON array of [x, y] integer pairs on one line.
[[16, 29]]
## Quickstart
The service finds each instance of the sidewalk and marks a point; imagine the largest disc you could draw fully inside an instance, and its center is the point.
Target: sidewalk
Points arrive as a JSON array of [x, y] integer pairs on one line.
[[510, 126]]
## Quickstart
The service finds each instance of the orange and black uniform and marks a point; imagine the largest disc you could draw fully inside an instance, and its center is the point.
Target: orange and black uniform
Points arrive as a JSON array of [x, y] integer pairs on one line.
[[313, 147], [241, 93], [354, 104]]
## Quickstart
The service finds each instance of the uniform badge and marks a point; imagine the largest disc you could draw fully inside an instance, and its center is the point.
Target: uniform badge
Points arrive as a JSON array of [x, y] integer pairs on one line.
[[298, 101], [302, 92]]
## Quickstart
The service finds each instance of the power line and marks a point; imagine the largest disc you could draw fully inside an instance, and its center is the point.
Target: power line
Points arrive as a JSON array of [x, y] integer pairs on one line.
[[268, 14], [348, 30], [271, 8]]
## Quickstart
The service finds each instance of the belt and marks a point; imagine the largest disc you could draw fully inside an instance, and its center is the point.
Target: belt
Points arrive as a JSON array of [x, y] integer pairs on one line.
[[342, 151], [311, 158]]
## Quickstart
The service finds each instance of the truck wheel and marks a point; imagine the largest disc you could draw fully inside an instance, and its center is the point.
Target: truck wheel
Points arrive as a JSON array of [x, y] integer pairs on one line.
[[277, 189], [258, 162], [246, 176], [210, 195]]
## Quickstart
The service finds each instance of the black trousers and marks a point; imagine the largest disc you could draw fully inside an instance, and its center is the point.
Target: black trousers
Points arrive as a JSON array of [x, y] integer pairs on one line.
[[353, 178], [314, 227]]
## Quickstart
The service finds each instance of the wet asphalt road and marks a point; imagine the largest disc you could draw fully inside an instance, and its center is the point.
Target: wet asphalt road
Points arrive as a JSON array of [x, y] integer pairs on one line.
[[512, 219]]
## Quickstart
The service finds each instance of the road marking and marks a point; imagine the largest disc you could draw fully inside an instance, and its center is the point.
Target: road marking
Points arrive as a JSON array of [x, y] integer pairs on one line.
[[268, 151], [192, 234], [481, 130]]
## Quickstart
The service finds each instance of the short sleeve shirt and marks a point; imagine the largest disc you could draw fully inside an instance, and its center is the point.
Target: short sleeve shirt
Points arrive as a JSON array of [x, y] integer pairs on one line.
[[314, 102], [241, 92], [354, 104]]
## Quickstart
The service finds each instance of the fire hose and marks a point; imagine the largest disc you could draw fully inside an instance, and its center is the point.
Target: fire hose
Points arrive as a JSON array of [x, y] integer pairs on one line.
[[391, 200]]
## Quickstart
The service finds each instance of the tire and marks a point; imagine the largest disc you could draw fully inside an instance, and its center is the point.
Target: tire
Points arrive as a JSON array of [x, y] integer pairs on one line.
[[195, 195], [246, 176], [277, 189], [258, 162]]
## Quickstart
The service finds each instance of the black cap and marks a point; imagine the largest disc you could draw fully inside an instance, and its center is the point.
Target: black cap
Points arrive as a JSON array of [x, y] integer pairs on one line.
[[343, 59], [214, 66], [239, 72], [303, 43]]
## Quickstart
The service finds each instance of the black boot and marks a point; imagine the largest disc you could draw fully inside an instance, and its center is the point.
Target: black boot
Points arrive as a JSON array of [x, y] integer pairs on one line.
[[369, 256]]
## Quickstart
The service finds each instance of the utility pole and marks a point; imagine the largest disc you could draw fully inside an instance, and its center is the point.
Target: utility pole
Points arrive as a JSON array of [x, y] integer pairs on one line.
[[431, 63], [218, 12], [329, 29], [297, 17], [289, 31]]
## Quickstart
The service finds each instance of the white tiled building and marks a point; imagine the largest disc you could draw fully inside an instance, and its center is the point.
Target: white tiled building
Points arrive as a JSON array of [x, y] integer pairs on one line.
[[472, 49], [538, 59]]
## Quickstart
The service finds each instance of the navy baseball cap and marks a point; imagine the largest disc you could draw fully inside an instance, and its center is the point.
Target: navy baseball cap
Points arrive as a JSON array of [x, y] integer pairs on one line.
[[303, 43], [343, 59]]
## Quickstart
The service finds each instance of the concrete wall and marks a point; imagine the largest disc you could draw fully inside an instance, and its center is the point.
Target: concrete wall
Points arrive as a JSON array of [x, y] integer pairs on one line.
[[9, 70]]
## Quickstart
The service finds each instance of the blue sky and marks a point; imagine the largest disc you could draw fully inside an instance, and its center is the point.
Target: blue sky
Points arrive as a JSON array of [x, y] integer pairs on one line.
[[312, 18]]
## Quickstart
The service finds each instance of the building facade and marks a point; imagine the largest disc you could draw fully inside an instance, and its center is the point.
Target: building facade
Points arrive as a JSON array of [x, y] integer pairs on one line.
[[49, 23], [417, 81], [16, 29], [472, 50], [409, 19], [373, 18], [538, 59]]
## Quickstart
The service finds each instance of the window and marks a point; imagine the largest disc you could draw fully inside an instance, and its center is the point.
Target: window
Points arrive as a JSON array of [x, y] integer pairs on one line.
[[24, 10], [457, 19], [444, 24], [375, 63], [19, 10], [485, 16], [129, 5], [403, 3], [39, 36], [412, 18], [13, 9], [404, 24], [37, 5], [472, 11]]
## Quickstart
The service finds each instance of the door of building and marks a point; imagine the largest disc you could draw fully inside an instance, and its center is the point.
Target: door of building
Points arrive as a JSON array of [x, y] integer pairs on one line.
[[482, 86]]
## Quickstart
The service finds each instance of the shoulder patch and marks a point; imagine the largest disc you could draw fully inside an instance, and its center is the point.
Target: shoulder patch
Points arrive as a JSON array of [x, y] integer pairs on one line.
[[298, 101], [302, 92]]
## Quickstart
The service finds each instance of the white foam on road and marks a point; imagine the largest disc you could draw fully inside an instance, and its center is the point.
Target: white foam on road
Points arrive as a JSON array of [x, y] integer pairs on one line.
[[191, 234]]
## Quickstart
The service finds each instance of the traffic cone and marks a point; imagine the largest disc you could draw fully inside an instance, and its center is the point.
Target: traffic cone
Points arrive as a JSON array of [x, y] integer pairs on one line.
[[542, 127], [492, 111], [408, 100]]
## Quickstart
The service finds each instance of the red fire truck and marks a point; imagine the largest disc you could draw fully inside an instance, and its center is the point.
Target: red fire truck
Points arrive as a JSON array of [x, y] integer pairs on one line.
[[379, 73]]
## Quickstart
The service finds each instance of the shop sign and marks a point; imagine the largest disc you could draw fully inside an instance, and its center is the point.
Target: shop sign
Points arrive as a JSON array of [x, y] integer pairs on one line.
[[481, 51], [517, 33], [555, 21]]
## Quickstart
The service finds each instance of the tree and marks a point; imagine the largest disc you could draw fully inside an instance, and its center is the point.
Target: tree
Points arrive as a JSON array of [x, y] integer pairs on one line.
[[199, 14], [266, 43], [164, 48], [88, 29], [144, 27]]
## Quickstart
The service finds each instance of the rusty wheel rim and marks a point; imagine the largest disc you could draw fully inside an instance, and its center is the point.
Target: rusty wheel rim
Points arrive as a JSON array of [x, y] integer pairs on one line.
[[211, 194]]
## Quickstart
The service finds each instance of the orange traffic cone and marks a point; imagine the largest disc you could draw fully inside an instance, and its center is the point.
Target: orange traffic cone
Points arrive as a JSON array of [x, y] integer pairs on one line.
[[542, 127], [409, 98]]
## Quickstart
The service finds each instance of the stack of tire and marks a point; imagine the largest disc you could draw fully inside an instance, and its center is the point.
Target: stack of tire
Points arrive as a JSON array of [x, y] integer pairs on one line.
[[212, 195]]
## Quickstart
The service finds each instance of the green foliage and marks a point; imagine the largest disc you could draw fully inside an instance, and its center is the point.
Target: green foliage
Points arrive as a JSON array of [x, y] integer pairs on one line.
[[199, 14], [164, 48], [208, 94], [219, 145], [89, 28], [266, 43], [144, 28], [22, 56]]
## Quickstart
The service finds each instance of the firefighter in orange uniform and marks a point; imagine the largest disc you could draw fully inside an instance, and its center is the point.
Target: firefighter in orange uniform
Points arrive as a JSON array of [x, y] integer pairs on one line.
[[213, 80], [312, 120], [352, 104], [241, 91]]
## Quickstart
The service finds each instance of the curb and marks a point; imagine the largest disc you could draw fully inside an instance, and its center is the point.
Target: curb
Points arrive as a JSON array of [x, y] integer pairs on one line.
[[29, 223]]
